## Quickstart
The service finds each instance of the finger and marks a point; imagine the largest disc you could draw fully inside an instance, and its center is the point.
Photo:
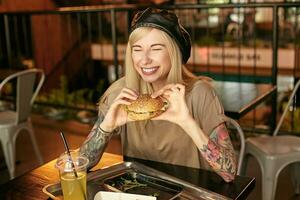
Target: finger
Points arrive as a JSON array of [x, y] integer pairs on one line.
[[123, 102], [120, 102], [165, 97], [157, 93], [180, 86], [162, 90], [167, 93], [175, 89], [125, 94], [181, 89], [126, 97]]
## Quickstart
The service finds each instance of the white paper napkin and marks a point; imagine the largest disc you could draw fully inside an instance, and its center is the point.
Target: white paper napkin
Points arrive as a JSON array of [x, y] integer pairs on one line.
[[103, 195]]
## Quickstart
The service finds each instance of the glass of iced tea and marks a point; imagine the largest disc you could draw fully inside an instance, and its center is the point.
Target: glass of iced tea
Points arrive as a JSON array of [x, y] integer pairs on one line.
[[72, 171]]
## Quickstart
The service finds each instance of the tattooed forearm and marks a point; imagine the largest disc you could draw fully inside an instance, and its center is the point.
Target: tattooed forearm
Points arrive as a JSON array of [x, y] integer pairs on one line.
[[95, 144], [220, 154]]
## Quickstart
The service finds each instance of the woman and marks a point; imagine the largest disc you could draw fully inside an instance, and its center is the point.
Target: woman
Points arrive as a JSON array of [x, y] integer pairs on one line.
[[191, 132]]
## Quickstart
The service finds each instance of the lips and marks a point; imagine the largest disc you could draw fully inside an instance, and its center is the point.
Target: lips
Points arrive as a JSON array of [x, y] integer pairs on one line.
[[149, 70]]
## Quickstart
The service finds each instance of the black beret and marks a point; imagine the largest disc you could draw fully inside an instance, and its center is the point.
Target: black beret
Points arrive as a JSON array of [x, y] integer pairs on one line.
[[167, 22]]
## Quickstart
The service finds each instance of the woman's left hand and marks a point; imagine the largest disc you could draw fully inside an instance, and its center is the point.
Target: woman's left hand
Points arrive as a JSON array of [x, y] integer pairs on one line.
[[177, 111]]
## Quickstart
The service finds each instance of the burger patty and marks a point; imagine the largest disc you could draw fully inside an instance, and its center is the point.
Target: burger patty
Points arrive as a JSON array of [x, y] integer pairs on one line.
[[150, 112]]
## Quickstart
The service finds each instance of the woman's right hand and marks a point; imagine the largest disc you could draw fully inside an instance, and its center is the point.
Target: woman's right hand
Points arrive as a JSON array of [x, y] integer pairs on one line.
[[117, 116]]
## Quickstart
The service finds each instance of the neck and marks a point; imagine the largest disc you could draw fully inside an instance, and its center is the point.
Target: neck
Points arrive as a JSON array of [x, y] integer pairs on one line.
[[158, 85]]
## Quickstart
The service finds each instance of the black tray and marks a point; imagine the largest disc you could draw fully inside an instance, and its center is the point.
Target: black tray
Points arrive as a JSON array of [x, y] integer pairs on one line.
[[150, 182], [137, 183]]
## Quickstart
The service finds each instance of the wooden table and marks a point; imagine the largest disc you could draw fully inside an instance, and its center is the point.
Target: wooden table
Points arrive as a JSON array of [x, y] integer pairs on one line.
[[238, 98], [29, 185]]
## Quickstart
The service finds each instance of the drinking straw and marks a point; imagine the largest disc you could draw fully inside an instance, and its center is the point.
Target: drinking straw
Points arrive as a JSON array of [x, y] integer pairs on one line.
[[68, 152], [72, 163]]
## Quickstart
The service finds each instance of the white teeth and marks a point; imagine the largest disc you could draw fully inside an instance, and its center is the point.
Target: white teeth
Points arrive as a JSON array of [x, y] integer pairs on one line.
[[148, 70]]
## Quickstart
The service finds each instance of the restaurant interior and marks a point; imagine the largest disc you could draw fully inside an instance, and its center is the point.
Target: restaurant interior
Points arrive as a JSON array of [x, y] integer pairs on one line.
[[75, 50]]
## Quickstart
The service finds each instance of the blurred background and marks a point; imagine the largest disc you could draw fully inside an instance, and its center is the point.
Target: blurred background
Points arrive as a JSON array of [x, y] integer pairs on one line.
[[80, 45]]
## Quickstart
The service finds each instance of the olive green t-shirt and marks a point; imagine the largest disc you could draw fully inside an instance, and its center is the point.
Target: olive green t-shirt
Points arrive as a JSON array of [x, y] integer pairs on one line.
[[167, 142]]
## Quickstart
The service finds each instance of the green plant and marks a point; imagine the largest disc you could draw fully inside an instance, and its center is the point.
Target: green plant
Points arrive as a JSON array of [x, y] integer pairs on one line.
[[57, 96], [78, 98]]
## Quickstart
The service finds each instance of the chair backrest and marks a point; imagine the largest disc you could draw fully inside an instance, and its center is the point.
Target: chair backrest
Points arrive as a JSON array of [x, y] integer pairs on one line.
[[26, 91], [241, 140], [286, 108]]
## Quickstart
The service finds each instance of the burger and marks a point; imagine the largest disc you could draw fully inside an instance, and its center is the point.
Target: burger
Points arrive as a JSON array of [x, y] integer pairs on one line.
[[145, 107]]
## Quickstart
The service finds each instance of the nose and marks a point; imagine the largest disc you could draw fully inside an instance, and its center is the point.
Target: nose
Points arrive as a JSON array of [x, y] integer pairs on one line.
[[145, 59]]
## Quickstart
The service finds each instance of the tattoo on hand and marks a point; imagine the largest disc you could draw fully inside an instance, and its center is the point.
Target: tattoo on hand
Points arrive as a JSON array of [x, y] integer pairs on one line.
[[220, 154], [95, 144]]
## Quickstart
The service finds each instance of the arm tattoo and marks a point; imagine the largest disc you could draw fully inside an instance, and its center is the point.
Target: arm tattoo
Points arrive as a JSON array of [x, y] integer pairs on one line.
[[220, 154], [95, 144]]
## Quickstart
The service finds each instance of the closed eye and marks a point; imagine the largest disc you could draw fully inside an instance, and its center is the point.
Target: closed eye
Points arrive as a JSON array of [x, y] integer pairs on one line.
[[134, 49], [157, 49]]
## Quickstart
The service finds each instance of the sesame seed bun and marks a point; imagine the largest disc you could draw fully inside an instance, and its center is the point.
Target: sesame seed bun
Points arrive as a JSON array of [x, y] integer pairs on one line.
[[145, 107]]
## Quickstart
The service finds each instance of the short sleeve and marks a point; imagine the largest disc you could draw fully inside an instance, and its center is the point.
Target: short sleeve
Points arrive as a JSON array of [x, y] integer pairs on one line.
[[207, 109]]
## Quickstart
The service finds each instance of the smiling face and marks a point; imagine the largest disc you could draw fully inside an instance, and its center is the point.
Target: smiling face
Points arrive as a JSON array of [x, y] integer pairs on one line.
[[151, 58]]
